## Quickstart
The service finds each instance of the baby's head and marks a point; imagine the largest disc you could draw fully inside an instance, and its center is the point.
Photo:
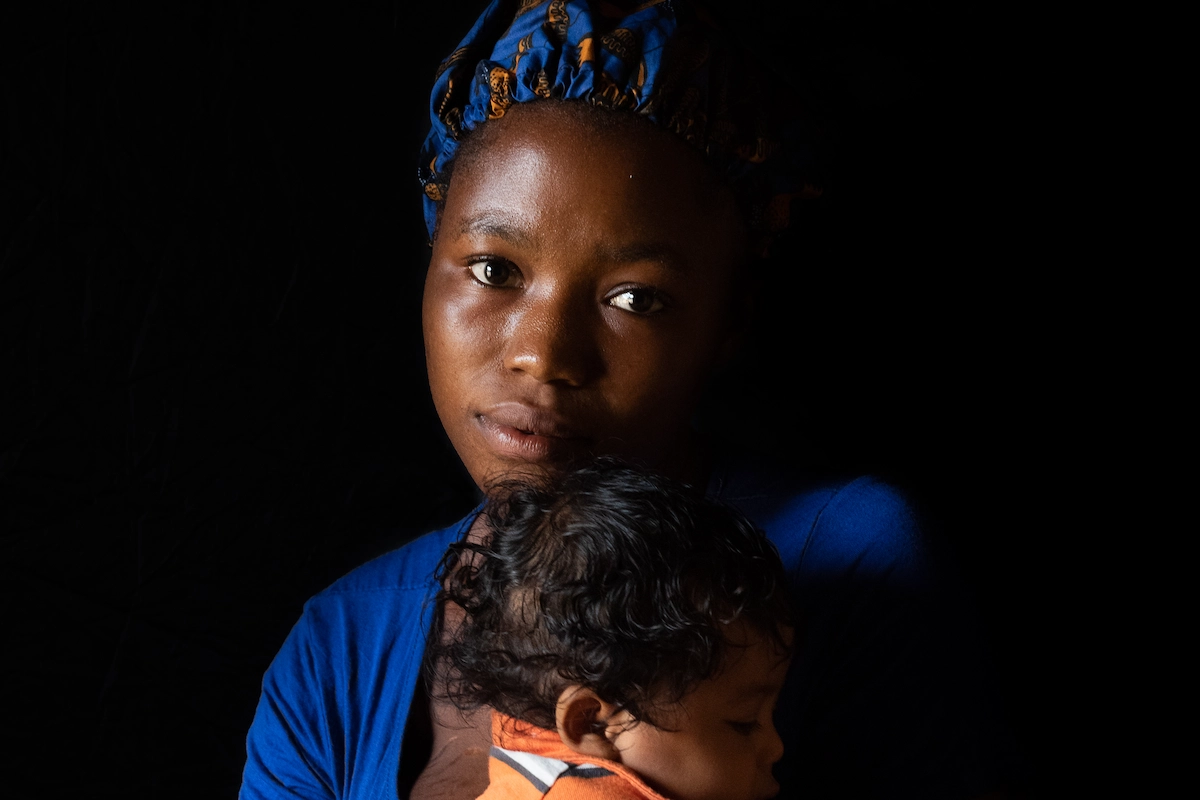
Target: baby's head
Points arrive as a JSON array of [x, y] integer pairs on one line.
[[644, 623]]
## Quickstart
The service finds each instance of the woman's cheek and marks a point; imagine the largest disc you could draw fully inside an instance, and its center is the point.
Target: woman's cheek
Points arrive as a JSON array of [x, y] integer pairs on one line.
[[460, 324], [447, 321], [675, 366]]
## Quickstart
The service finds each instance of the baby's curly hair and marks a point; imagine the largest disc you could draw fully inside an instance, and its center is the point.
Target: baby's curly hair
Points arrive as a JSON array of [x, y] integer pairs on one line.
[[610, 577]]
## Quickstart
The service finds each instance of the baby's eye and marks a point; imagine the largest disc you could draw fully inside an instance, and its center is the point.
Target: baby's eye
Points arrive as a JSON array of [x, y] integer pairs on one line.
[[638, 301], [495, 272], [744, 728]]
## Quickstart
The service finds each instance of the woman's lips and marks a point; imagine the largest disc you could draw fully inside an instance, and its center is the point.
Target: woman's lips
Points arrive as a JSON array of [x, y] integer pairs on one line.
[[526, 433]]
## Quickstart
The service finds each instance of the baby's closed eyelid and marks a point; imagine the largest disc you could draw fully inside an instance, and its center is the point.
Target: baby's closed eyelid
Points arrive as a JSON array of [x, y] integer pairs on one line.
[[744, 727]]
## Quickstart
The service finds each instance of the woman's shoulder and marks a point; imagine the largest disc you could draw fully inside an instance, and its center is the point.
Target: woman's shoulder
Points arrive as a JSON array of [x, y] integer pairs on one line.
[[823, 524], [349, 664], [406, 568], [385, 599]]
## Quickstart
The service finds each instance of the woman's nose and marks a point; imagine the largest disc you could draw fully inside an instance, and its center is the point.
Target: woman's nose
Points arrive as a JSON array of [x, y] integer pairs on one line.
[[553, 341]]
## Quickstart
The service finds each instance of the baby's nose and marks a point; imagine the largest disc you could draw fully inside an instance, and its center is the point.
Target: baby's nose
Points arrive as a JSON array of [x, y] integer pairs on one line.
[[774, 746]]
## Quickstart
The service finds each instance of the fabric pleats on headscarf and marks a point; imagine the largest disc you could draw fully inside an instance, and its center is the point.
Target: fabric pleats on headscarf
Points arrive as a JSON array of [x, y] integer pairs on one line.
[[665, 59]]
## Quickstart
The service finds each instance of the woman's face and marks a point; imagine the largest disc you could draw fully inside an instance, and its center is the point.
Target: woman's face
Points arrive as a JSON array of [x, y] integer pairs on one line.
[[582, 287]]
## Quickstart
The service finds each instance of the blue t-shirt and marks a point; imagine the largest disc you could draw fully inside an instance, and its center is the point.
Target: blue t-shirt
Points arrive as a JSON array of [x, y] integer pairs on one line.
[[886, 696]]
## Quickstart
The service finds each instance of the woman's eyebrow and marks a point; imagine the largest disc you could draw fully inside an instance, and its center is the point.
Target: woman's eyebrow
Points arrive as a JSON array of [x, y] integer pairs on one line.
[[498, 224], [661, 253], [509, 228]]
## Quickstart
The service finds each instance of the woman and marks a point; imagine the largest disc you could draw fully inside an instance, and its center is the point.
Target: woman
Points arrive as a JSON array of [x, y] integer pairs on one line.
[[594, 184]]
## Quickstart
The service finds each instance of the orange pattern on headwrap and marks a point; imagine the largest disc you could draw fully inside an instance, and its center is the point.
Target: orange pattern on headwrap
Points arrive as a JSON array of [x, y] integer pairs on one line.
[[557, 22], [667, 61], [499, 84]]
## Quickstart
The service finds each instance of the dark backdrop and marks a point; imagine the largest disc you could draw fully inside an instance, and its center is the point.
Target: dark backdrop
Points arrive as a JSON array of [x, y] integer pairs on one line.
[[214, 404]]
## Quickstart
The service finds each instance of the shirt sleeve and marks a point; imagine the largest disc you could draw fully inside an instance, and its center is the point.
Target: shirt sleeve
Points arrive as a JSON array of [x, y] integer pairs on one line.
[[290, 751]]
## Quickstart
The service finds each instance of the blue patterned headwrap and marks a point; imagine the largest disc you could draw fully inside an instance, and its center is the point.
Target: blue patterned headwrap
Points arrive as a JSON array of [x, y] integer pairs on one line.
[[665, 59]]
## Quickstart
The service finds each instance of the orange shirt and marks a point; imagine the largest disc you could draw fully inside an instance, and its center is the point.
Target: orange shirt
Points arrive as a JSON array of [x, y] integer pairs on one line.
[[528, 762]]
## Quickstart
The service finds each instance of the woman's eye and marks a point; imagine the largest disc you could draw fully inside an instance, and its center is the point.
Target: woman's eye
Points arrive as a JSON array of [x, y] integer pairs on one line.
[[744, 728], [638, 301], [493, 272]]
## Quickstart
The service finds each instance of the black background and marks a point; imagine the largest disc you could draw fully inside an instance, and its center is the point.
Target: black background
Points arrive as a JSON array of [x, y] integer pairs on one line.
[[213, 393]]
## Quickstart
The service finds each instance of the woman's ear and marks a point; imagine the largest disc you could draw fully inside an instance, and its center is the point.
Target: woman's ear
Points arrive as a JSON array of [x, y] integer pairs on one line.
[[587, 724]]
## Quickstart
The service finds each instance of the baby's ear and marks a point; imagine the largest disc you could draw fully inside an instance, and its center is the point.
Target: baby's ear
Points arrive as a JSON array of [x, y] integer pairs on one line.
[[587, 724]]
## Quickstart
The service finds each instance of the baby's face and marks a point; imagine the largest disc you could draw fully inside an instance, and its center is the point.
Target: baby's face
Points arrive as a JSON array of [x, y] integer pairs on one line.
[[719, 742]]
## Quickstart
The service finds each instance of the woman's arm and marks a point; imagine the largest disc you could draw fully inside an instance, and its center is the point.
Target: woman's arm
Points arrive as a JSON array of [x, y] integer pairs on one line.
[[288, 746]]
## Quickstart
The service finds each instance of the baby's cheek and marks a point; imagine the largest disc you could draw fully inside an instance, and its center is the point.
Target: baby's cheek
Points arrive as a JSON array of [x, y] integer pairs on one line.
[[727, 769], [714, 773]]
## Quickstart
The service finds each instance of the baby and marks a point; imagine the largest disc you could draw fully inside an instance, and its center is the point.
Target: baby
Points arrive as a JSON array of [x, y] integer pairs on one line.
[[630, 636]]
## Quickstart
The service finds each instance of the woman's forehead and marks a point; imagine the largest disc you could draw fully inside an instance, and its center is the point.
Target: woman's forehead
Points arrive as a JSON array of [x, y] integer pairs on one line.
[[561, 173]]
